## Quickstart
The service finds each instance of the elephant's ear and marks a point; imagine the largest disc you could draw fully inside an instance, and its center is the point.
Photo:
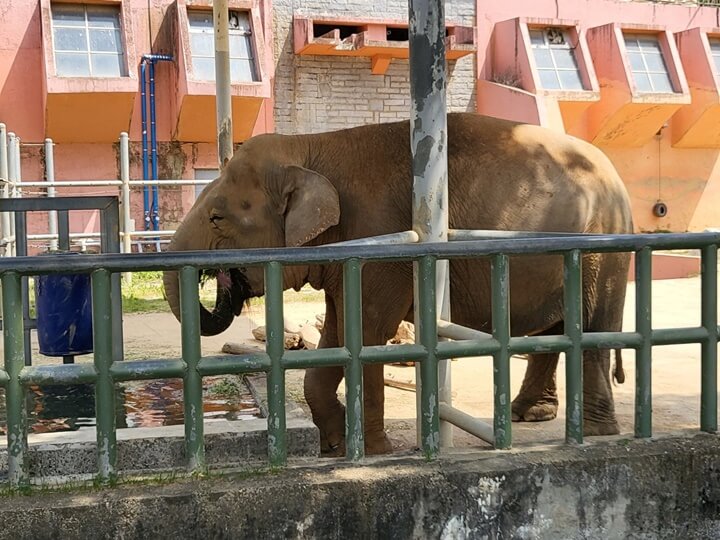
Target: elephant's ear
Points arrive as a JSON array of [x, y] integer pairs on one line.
[[311, 205]]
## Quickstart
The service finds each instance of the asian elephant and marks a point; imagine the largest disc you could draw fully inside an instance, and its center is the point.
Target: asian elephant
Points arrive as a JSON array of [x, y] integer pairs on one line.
[[321, 188]]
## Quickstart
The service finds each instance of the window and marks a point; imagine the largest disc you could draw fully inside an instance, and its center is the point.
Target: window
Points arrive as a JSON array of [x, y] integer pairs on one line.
[[715, 52], [87, 41], [202, 46], [555, 59], [647, 63]]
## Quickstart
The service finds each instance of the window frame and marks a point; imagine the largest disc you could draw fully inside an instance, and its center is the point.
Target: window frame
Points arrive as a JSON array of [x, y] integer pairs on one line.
[[88, 52], [567, 46], [249, 37], [647, 71], [714, 54]]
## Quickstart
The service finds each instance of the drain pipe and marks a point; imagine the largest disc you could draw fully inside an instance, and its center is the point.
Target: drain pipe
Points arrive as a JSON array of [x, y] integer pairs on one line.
[[150, 170]]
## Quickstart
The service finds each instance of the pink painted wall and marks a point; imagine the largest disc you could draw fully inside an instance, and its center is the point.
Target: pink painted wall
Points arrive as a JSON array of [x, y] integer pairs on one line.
[[22, 83], [687, 180]]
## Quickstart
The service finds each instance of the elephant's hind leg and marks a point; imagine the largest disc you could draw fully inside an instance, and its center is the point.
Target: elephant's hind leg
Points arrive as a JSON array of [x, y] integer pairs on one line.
[[537, 400]]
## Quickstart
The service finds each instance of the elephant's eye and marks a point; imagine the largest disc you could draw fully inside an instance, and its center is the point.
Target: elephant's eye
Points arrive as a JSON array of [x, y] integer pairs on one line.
[[245, 205], [214, 218]]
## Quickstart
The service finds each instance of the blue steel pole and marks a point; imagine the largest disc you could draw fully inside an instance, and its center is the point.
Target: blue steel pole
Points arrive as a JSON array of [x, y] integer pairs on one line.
[[146, 165], [153, 149]]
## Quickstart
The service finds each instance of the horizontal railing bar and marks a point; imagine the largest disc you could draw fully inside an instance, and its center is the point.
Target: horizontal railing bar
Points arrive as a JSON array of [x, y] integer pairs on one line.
[[233, 364], [336, 356], [4, 378], [392, 353], [539, 344], [141, 370], [464, 348], [40, 204], [62, 374], [467, 423], [678, 336], [338, 254], [451, 330], [611, 340]]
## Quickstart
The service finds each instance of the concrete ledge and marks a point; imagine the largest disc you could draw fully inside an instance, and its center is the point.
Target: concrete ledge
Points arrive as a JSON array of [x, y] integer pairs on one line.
[[55, 457], [623, 489]]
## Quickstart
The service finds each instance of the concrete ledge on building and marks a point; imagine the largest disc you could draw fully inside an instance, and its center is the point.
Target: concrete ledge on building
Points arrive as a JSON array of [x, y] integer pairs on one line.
[[380, 40], [58, 457], [668, 488], [670, 266]]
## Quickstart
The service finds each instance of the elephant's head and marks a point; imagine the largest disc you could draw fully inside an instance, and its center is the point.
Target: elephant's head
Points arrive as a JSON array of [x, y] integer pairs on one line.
[[257, 202]]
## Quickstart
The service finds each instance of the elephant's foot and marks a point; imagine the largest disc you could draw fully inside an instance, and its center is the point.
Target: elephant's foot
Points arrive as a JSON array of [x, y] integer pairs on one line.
[[540, 409], [332, 431], [377, 443], [591, 427]]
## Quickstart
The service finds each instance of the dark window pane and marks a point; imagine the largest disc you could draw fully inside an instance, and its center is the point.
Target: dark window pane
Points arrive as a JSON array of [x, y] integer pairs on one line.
[[642, 82], [655, 62], [202, 44], [242, 71], [564, 58], [103, 16], [542, 58], [536, 37], [201, 20], [636, 61], [240, 47]]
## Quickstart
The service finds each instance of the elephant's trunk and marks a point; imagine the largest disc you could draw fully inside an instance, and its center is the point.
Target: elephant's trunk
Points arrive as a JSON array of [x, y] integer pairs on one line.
[[211, 322]]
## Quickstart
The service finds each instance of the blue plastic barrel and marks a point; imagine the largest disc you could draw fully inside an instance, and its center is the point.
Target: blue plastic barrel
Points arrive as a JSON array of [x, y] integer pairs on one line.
[[64, 314]]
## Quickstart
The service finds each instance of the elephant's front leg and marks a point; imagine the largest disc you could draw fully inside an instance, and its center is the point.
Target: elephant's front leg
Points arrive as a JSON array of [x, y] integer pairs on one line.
[[321, 386]]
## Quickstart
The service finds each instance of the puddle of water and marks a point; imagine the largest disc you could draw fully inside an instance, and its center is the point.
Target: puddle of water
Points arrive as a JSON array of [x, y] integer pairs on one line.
[[138, 404]]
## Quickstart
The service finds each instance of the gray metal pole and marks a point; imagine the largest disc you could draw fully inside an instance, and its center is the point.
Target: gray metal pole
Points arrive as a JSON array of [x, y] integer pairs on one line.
[[222, 81], [125, 198], [50, 179], [428, 141], [4, 175]]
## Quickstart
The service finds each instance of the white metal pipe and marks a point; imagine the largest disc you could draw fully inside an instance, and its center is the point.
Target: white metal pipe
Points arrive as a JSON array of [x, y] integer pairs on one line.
[[467, 423], [114, 183], [5, 189], [50, 179], [406, 237], [454, 331], [12, 180], [223, 98], [178, 182], [125, 192]]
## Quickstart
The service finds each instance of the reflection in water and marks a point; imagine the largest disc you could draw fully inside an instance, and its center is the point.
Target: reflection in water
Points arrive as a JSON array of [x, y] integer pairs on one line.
[[138, 404]]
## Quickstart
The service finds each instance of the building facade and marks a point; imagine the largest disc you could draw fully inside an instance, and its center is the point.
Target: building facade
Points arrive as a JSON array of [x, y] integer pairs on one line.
[[638, 79]]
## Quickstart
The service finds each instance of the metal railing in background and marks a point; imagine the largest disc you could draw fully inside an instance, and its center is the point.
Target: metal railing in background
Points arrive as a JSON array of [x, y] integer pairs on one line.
[[107, 370], [13, 187]]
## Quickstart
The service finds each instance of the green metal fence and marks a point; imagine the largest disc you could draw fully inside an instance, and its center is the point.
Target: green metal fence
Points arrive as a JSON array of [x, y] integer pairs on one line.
[[192, 367]]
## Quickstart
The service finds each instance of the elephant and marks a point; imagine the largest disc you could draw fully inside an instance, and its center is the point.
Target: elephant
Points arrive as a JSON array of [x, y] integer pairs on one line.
[[313, 189]]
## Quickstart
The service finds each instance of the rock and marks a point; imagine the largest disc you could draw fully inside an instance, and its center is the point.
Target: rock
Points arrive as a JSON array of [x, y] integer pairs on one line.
[[310, 336], [320, 321], [292, 340], [404, 334], [240, 348], [291, 326]]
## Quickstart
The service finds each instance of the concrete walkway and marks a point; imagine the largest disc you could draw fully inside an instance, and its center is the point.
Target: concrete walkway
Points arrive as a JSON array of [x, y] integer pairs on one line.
[[676, 369]]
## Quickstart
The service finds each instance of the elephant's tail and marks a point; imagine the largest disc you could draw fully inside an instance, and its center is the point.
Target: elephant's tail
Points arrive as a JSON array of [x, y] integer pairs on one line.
[[618, 371]]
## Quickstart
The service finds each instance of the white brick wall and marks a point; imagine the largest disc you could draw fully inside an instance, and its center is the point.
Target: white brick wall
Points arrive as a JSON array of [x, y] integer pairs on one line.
[[321, 93]]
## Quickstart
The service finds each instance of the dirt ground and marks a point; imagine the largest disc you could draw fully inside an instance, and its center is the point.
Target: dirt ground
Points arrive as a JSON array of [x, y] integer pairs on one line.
[[676, 369]]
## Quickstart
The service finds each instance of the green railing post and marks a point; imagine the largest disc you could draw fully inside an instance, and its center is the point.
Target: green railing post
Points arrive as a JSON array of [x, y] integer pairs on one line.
[[572, 275], [104, 386], [277, 443], [502, 418], [643, 358], [709, 346], [427, 331], [192, 380], [14, 348], [353, 333]]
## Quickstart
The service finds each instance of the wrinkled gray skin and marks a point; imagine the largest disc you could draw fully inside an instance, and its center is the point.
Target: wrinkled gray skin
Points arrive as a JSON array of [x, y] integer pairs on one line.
[[316, 189]]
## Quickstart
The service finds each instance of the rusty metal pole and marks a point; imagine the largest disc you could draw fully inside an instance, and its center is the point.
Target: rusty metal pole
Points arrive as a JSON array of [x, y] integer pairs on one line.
[[428, 141], [222, 81]]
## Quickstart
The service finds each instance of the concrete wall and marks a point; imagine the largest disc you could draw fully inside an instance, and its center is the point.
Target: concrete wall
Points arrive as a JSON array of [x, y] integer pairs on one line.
[[320, 93], [665, 489]]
